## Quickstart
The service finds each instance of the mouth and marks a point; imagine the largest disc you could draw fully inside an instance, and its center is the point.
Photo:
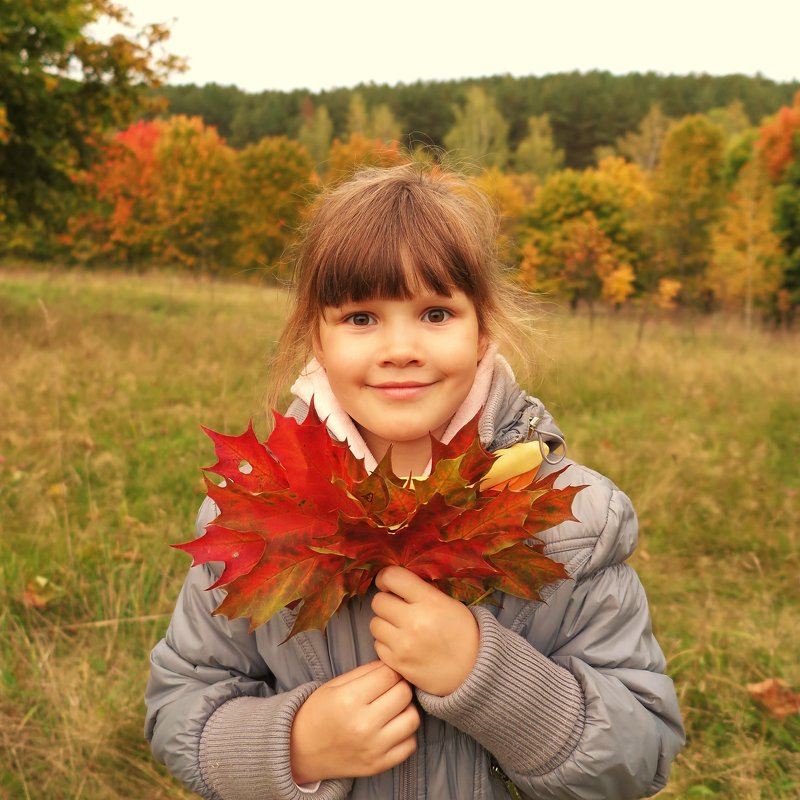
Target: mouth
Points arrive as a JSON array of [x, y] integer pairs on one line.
[[400, 390]]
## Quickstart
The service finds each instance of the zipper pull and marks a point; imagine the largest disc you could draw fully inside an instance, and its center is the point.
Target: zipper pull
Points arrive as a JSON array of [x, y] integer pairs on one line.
[[533, 430]]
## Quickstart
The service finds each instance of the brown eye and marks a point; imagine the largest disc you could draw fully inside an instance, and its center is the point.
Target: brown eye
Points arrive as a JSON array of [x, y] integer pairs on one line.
[[360, 319], [436, 315]]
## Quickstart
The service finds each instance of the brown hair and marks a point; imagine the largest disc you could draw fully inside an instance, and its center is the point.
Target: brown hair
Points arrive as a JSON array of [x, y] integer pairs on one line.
[[386, 233]]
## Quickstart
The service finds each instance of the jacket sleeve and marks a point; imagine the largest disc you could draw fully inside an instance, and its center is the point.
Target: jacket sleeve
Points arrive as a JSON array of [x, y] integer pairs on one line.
[[213, 716], [596, 717]]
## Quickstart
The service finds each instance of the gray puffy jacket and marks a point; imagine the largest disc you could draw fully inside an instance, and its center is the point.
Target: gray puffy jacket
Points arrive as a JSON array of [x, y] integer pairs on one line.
[[568, 697]]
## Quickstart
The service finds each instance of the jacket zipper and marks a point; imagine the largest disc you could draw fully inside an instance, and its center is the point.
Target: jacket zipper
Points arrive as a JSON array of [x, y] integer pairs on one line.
[[407, 779]]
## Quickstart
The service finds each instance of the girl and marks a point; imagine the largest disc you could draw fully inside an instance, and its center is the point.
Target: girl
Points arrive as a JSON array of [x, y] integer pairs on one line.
[[408, 693]]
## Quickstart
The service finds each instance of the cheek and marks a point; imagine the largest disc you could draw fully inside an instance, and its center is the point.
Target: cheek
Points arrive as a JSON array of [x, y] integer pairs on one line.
[[344, 372], [464, 360]]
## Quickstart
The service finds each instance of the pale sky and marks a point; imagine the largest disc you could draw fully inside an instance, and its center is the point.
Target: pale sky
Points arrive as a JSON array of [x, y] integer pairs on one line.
[[321, 44]]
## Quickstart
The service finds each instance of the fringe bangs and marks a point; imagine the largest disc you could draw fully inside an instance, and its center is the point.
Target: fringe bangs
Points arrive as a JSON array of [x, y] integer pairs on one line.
[[390, 245]]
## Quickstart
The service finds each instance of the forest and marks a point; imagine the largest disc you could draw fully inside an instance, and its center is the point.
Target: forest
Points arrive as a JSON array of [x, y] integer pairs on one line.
[[586, 111]]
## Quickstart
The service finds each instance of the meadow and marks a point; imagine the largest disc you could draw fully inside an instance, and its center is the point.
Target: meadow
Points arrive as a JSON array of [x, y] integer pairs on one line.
[[105, 380]]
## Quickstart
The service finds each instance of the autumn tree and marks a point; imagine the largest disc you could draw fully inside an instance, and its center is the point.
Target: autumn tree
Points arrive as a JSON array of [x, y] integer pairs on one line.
[[167, 192], [118, 219], [745, 267], [584, 235], [615, 192], [732, 119], [480, 134], [275, 179], [779, 147], [357, 115], [643, 146], [196, 196], [60, 91], [316, 131], [579, 261], [510, 195], [537, 152], [376, 123], [688, 194], [383, 124]]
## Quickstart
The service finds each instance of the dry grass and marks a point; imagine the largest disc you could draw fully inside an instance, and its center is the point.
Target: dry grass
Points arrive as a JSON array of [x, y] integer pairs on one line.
[[106, 379]]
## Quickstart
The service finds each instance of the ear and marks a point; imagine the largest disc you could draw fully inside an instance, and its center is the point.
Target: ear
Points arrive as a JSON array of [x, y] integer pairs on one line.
[[316, 347], [483, 345]]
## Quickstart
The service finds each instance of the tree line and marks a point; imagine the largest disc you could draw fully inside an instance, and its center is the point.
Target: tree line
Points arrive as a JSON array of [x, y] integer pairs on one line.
[[587, 111]]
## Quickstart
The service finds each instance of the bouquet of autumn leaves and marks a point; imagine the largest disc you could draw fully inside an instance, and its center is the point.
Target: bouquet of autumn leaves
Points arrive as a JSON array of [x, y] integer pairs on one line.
[[302, 520]]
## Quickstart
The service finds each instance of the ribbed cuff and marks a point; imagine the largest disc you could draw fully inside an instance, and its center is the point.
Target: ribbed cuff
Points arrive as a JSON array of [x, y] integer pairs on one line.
[[244, 750], [523, 708]]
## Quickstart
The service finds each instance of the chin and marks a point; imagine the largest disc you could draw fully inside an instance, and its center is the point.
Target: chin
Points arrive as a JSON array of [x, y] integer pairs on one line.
[[403, 435]]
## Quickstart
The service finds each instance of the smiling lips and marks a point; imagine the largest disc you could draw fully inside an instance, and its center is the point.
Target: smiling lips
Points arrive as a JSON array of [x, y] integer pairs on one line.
[[400, 390]]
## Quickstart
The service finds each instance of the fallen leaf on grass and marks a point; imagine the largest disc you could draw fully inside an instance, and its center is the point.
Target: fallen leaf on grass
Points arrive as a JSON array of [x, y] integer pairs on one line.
[[776, 696], [39, 593]]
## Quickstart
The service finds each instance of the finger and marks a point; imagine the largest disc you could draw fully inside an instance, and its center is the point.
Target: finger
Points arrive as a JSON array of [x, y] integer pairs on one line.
[[400, 752], [392, 702], [354, 674], [403, 725], [375, 683], [385, 654], [383, 631], [390, 607], [403, 583]]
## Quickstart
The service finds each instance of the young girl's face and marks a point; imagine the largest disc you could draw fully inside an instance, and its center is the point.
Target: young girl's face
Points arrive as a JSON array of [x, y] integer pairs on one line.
[[401, 368]]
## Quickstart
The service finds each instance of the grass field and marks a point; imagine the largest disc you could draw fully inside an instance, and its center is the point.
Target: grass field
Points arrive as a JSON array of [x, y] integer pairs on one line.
[[104, 381]]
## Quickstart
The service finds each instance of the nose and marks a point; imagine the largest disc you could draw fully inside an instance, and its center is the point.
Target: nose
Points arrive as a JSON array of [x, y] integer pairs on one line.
[[400, 346]]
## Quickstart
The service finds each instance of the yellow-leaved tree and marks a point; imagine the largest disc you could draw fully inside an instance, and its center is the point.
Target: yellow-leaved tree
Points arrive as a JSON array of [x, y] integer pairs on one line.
[[689, 190], [276, 178], [510, 194], [745, 266], [316, 131], [537, 153], [584, 237], [480, 133], [196, 196]]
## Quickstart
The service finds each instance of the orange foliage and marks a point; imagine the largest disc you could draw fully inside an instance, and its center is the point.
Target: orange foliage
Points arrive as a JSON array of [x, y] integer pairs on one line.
[[119, 224], [579, 260], [777, 141], [195, 192], [666, 296], [173, 191]]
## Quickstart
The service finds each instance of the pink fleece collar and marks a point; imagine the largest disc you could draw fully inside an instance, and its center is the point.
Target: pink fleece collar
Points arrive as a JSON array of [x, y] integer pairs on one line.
[[313, 382]]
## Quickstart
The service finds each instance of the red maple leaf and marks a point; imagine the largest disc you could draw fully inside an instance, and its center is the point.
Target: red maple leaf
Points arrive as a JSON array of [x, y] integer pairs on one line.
[[302, 520]]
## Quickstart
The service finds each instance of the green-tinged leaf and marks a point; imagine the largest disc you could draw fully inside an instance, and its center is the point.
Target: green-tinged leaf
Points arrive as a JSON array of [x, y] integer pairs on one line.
[[318, 607], [525, 571], [446, 480]]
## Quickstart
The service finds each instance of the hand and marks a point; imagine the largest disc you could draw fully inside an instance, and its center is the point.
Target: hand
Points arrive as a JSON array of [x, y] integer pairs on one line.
[[360, 723], [429, 638]]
